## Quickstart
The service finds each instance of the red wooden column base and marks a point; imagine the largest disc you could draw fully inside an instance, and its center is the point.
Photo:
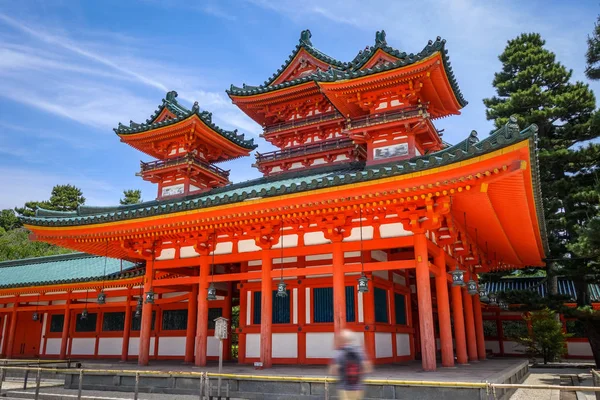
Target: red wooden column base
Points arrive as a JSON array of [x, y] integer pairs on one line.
[[479, 327], [202, 321], [459, 326], [424, 302], [443, 304], [470, 326], [266, 312]]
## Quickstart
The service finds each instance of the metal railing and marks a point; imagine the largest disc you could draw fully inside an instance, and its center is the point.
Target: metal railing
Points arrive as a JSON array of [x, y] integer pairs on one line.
[[187, 159], [302, 122], [385, 117], [206, 391], [313, 148]]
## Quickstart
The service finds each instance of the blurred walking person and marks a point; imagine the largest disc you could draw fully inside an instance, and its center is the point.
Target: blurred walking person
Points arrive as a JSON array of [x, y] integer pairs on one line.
[[350, 365]]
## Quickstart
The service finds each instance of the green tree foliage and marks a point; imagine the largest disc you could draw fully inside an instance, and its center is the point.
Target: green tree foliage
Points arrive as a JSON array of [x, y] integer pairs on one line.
[[546, 338], [9, 220], [593, 53], [15, 244], [62, 198], [131, 197], [537, 89]]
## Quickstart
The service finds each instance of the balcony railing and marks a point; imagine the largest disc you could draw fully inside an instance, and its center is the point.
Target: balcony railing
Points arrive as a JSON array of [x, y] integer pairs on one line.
[[313, 148], [187, 159], [385, 117], [302, 122]]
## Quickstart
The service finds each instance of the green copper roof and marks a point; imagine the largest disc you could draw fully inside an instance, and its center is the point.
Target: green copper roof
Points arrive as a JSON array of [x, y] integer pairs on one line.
[[181, 113], [565, 287], [63, 268], [305, 181], [351, 70]]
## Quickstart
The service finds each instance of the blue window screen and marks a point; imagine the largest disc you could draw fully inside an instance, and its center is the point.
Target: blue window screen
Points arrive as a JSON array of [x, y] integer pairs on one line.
[[400, 303], [281, 308], [350, 310], [323, 304], [381, 305]]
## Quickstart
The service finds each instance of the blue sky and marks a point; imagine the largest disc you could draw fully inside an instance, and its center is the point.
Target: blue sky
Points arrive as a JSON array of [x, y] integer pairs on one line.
[[71, 70]]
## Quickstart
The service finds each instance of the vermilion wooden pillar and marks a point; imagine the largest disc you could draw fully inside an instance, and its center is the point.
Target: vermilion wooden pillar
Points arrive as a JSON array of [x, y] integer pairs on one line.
[[202, 321], [66, 326], [146, 323], [227, 314], [470, 326], [266, 311], [190, 333], [369, 315], [126, 328], [459, 325], [479, 327], [424, 303], [12, 331], [339, 288], [443, 305]]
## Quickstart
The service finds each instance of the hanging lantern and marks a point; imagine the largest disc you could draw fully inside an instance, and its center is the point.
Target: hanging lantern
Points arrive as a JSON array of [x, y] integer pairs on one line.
[[472, 287], [35, 316], [150, 297], [483, 293], [503, 305], [138, 307], [212, 292], [84, 314], [458, 277], [101, 297], [281, 289], [363, 284], [492, 298]]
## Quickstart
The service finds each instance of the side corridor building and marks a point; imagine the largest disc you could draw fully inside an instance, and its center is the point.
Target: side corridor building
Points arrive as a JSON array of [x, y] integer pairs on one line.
[[364, 218]]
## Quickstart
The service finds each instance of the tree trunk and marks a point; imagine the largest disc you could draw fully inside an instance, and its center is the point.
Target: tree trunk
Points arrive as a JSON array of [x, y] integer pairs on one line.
[[592, 331]]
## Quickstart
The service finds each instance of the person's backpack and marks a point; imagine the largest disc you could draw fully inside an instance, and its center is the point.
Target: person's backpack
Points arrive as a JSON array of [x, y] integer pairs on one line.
[[351, 367]]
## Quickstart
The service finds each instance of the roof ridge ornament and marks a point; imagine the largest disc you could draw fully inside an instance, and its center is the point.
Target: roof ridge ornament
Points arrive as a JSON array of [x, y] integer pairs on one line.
[[171, 96], [195, 107], [305, 36], [380, 38]]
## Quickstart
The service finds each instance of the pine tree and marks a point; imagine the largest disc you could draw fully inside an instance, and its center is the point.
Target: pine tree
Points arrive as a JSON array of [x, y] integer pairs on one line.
[[536, 88], [546, 338], [131, 196], [593, 54], [62, 198]]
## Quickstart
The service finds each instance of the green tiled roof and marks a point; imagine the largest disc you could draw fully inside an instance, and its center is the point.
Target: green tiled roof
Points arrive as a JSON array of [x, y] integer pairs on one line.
[[351, 70], [303, 181], [170, 102], [64, 268], [565, 286]]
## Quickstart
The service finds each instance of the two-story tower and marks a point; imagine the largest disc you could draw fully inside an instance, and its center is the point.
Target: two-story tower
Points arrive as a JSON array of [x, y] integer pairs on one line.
[[376, 108], [187, 145]]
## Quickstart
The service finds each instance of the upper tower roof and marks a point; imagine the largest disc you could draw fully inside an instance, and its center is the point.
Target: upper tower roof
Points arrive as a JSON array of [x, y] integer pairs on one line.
[[171, 120]]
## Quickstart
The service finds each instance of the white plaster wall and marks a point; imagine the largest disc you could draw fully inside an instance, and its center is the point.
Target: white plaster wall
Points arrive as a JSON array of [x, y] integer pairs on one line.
[[254, 263], [166, 254], [224, 248], [285, 260], [188, 252], [319, 345], [579, 349], [361, 310], [319, 257], [134, 346], [288, 241], [493, 345], [248, 308], [172, 294], [110, 346], [247, 245], [212, 346], [83, 346], [171, 346], [379, 255], [295, 305], [513, 348], [53, 346], [402, 344], [312, 238], [399, 279], [285, 345], [383, 345], [355, 234], [253, 345], [45, 320], [381, 274], [393, 230], [115, 299]]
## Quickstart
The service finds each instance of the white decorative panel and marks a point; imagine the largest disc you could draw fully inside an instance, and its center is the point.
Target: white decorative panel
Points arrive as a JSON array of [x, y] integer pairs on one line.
[[285, 260], [171, 346], [319, 257], [253, 345], [53, 346], [166, 254], [83, 346], [248, 308], [399, 279], [379, 255], [247, 245], [45, 321], [134, 346], [493, 345], [295, 305], [579, 349], [172, 294], [188, 252], [402, 344], [312, 238], [383, 345], [212, 347], [319, 345], [288, 241], [355, 234], [110, 346], [381, 274], [285, 345], [224, 248], [254, 263], [115, 299], [393, 230], [307, 309], [361, 309]]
